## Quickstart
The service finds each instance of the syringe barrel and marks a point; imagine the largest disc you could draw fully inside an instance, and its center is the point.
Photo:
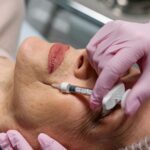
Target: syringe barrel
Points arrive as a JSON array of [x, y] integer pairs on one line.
[[69, 88], [83, 91]]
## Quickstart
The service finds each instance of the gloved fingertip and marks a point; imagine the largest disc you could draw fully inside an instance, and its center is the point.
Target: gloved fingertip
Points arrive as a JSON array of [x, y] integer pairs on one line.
[[4, 142], [3, 136], [95, 103], [44, 140], [131, 107], [12, 134], [94, 106], [17, 140]]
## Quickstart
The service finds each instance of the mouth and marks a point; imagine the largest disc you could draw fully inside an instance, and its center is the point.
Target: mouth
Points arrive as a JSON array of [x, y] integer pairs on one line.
[[56, 56]]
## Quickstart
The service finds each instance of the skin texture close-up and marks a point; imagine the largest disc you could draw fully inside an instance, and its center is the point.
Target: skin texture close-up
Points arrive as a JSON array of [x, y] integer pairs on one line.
[[31, 105]]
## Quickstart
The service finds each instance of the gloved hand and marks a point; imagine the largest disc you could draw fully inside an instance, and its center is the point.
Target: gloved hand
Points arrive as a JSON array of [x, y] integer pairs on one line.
[[14, 140], [112, 51]]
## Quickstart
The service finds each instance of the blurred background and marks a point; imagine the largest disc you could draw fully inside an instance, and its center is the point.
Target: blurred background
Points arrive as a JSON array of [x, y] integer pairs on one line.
[[76, 21]]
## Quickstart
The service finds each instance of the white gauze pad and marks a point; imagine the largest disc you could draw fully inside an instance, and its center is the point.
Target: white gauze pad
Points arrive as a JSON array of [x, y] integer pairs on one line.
[[113, 97]]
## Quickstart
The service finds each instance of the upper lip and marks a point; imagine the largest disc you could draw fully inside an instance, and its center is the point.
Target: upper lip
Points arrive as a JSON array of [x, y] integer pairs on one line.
[[56, 56]]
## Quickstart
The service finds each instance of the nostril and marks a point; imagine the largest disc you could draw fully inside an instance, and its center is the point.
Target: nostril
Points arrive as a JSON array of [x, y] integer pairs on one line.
[[82, 67], [80, 62]]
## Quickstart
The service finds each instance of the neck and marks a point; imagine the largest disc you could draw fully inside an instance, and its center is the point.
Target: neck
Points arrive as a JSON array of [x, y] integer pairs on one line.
[[6, 91], [7, 117], [9, 122]]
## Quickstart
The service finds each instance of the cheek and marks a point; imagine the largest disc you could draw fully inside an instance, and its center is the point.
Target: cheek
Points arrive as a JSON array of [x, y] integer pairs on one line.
[[49, 107]]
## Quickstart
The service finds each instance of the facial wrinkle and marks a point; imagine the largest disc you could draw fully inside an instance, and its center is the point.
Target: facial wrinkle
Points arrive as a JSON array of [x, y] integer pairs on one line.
[[82, 127]]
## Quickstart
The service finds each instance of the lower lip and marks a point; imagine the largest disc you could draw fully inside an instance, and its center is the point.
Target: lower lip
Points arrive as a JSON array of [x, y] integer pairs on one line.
[[56, 56]]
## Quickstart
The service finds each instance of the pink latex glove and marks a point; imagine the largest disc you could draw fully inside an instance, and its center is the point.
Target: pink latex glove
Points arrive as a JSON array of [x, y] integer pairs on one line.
[[113, 50], [13, 140]]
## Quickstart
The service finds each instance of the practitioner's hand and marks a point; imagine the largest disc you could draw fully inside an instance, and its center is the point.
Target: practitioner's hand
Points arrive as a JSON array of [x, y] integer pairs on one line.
[[14, 140], [112, 51], [48, 143]]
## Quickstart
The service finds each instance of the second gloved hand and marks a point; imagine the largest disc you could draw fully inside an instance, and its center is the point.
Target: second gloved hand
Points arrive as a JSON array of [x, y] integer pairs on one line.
[[13, 140], [112, 51]]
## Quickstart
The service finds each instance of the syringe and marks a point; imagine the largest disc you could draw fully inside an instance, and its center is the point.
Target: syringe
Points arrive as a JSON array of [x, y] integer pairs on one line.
[[110, 100], [65, 87]]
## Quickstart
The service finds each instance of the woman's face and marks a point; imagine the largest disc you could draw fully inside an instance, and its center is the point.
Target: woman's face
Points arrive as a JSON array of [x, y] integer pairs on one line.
[[38, 105]]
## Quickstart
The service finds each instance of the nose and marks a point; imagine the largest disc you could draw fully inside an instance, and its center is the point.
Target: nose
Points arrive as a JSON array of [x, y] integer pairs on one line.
[[83, 69]]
